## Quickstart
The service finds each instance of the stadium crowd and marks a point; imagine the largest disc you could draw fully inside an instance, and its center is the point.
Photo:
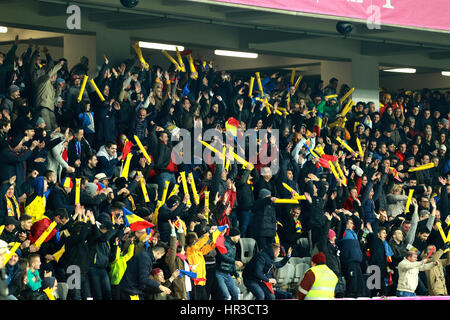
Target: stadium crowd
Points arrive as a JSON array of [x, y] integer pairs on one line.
[[132, 232]]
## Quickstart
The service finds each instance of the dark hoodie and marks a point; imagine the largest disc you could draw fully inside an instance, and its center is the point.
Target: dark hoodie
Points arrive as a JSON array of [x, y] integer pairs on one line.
[[262, 266]]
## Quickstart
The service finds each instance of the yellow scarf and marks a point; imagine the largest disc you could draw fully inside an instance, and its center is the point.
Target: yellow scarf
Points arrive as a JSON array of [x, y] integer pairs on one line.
[[132, 202], [12, 209]]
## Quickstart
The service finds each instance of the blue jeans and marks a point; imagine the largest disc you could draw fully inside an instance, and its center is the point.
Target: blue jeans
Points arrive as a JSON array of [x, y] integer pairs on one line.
[[259, 290], [227, 287], [405, 294], [162, 178], [245, 216], [100, 283]]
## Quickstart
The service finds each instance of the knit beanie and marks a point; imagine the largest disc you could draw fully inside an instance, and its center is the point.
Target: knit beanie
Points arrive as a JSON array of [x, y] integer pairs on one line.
[[91, 189], [331, 234], [319, 258]]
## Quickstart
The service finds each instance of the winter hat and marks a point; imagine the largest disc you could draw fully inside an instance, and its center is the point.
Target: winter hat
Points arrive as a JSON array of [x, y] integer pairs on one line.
[[143, 212], [264, 193], [331, 234], [91, 189], [11, 220], [234, 232], [155, 271], [39, 121], [172, 201], [120, 182], [38, 186], [319, 258], [13, 88]]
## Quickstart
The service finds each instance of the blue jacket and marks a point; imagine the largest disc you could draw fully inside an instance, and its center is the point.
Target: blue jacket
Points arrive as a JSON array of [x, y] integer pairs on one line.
[[350, 248], [137, 274], [262, 266]]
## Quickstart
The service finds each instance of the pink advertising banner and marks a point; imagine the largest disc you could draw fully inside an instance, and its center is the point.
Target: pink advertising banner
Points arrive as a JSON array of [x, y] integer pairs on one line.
[[430, 14]]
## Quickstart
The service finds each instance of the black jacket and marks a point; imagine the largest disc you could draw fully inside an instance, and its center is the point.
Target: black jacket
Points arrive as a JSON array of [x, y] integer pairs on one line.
[[58, 198], [77, 251], [226, 262], [244, 193], [99, 247], [264, 218], [73, 155], [330, 250], [165, 214]]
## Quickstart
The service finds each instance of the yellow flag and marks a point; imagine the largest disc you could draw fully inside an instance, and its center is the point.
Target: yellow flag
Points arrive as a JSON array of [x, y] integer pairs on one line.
[[100, 95], [49, 293], [126, 166], [8, 256], [45, 234], [194, 189], [77, 190], [174, 190], [293, 201], [408, 202], [185, 187], [58, 254], [83, 85], [141, 147], [164, 195]]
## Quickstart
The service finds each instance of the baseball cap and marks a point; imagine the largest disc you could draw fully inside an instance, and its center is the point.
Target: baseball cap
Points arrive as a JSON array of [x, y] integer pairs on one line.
[[101, 176]]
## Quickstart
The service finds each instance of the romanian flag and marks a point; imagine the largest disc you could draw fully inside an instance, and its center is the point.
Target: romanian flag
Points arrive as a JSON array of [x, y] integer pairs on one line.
[[100, 186], [219, 240], [394, 172], [388, 251], [192, 275], [318, 123], [135, 222], [231, 126], [183, 225], [67, 183], [323, 160], [126, 149], [298, 226], [270, 286]]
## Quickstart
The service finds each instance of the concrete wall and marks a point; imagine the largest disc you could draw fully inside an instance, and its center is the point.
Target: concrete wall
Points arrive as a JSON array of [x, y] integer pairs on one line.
[[414, 81]]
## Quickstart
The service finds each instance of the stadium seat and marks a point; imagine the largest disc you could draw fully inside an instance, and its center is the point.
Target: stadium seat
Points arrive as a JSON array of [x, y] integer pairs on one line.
[[62, 290], [285, 275], [300, 270], [295, 260], [304, 242], [248, 248], [307, 260]]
